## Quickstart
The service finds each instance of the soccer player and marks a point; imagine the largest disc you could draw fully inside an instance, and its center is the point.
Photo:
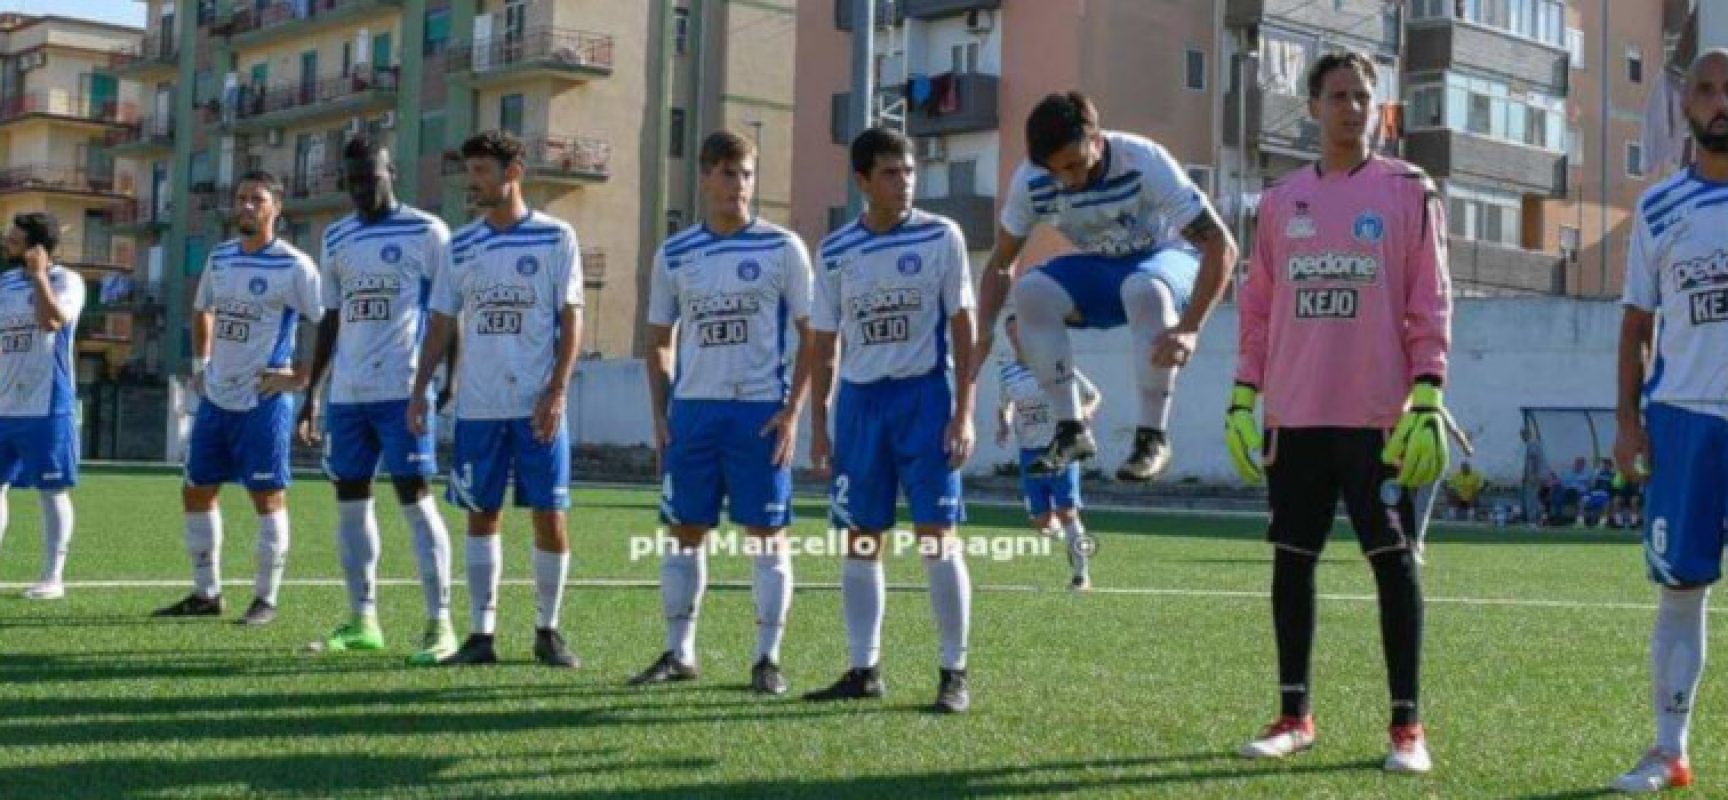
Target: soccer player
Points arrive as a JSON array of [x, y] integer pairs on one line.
[[39, 306], [1052, 499], [378, 264], [1673, 430], [512, 291], [893, 288], [1346, 309], [734, 286], [1119, 199], [250, 300]]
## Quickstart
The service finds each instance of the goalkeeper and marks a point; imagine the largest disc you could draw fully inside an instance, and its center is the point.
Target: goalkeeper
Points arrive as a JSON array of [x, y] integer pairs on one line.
[[1345, 324]]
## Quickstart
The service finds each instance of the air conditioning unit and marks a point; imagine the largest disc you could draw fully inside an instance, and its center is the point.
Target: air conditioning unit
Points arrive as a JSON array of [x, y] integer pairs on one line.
[[387, 121], [932, 148], [980, 20], [274, 137]]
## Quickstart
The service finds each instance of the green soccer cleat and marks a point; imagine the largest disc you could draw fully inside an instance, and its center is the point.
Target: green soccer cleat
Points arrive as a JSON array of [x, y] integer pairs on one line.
[[359, 633], [436, 644]]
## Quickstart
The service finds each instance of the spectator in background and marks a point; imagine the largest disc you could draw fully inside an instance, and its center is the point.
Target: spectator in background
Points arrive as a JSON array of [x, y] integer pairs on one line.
[[1536, 474], [1464, 490]]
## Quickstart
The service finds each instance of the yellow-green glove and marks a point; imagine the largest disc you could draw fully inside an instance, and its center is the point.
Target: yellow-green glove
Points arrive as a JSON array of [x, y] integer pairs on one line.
[[1242, 434], [1418, 445]]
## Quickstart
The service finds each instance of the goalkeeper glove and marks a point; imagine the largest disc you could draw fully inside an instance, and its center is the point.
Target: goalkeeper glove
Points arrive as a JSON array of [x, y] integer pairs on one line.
[[1242, 435], [1418, 444]]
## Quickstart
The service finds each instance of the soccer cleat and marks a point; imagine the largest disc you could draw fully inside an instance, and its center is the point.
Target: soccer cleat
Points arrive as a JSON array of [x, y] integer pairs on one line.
[[259, 613], [667, 669], [361, 632], [1656, 771], [193, 605], [436, 644], [952, 694], [475, 651], [46, 590], [1080, 583], [765, 678], [856, 684], [1150, 456], [550, 649], [1287, 736], [1408, 753], [1072, 442]]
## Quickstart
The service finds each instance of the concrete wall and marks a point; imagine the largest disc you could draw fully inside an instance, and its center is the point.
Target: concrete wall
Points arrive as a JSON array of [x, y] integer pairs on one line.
[[1507, 354]]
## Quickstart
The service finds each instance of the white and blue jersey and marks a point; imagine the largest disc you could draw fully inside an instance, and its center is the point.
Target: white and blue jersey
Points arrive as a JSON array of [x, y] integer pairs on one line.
[[257, 300], [1677, 269], [890, 296], [1034, 426], [735, 300], [1139, 203], [38, 430]]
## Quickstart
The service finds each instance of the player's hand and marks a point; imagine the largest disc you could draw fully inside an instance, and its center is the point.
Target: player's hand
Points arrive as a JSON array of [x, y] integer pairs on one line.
[[1242, 434], [279, 381], [821, 452], [548, 416], [37, 261], [959, 440], [1632, 450], [1174, 347], [418, 410], [306, 428], [1418, 445], [784, 427]]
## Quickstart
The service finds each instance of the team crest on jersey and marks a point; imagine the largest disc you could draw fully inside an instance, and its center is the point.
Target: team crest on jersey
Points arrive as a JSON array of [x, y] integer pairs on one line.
[[910, 264], [258, 286], [1369, 228], [527, 266], [749, 270], [391, 254], [1300, 226]]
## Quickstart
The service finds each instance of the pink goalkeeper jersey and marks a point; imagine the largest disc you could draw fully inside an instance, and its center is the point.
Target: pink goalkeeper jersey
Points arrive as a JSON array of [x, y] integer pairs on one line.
[[1347, 299]]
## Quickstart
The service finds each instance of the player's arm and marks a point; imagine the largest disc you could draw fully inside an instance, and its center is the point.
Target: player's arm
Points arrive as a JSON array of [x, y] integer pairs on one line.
[[51, 316], [660, 362], [448, 389], [1418, 446], [1254, 312], [322, 350], [784, 424], [1217, 259], [440, 336], [549, 413], [993, 286], [1004, 419], [1637, 346], [307, 301], [824, 345], [962, 331]]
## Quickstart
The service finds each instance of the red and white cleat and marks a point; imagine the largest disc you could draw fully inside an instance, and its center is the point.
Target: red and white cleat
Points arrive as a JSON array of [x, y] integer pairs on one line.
[[1408, 754], [1656, 771], [1287, 736]]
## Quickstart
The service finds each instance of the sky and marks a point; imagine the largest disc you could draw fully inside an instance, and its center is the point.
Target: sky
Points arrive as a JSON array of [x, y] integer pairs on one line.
[[124, 12]]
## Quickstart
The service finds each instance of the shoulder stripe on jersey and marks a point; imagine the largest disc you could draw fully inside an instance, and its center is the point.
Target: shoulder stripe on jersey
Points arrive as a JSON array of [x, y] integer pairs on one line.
[[764, 247], [1098, 200], [877, 241], [473, 234], [908, 240], [391, 234], [843, 241], [387, 224], [690, 245], [682, 236], [1660, 192], [519, 244], [1040, 181], [1703, 192], [1659, 227]]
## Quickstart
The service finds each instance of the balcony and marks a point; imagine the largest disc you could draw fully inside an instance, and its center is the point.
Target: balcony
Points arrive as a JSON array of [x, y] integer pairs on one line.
[[300, 102], [558, 54], [1488, 269], [1356, 24], [315, 190], [1273, 119], [557, 161], [157, 52], [122, 295], [251, 25], [593, 268], [151, 135], [975, 214], [1447, 153], [974, 108], [64, 180], [66, 107], [1444, 44], [209, 197], [136, 218], [937, 9], [888, 13], [112, 257]]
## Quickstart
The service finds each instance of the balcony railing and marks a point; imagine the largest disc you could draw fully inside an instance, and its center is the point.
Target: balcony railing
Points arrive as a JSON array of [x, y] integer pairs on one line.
[[126, 296], [249, 18], [150, 130], [156, 48], [137, 214], [593, 267], [69, 106], [557, 157], [314, 183], [111, 257], [45, 177], [209, 196], [290, 95], [551, 47]]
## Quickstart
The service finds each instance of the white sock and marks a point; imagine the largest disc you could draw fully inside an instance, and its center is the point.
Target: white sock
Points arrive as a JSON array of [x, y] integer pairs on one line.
[[204, 545], [1424, 508], [1676, 661], [272, 555], [357, 542], [1041, 306], [951, 600], [863, 595], [551, 570], [485, 570], [5, 509], [773, 590], [56, 534], [1151, 310], [1075, 532], [432, 549], [683, 581]]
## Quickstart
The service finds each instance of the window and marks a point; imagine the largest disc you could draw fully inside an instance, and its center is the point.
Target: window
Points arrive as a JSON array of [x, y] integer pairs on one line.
[[1634, 159], [1575, 47], [1634, 65], [437, 32], [675, 135], [1484, 215], [1488, 108], [1195, 70], [347, 59], [1542, 20], [515, 20], [510, 113], [964, 58], [1574, 146], [680, 30], [1201, 176], [1283, 65]]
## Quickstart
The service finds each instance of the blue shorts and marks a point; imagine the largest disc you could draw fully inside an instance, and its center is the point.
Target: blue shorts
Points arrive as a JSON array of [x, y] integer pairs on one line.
[[356, 435], [718, 450], [1094, 282], [490, 452], [888, 436], [1686, 500], [39, 452], [1044, 492], [246, 447]]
